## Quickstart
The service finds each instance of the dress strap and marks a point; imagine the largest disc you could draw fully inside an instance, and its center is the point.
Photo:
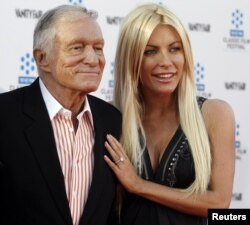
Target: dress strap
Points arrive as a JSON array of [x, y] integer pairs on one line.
[[201, 100]]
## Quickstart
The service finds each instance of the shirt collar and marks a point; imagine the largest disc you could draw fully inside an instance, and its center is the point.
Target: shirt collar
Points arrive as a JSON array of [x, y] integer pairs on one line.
[[53, 106]]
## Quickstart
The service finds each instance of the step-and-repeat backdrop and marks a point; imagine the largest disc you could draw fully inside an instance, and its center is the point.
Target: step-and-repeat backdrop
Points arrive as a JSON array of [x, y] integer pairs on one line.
[[220, 36]]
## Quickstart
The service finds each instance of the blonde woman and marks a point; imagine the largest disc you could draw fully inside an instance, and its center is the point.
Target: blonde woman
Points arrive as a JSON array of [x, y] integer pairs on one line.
[[176, 157]]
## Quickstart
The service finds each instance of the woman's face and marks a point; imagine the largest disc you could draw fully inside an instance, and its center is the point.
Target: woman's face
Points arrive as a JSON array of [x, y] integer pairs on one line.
[[163, 62]]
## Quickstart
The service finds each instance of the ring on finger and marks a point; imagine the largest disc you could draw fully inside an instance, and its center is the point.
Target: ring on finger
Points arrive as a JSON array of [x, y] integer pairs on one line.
[[121, 159]]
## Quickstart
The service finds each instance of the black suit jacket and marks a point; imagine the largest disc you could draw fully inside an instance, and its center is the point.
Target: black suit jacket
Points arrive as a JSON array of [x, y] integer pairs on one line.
[[32, 190]]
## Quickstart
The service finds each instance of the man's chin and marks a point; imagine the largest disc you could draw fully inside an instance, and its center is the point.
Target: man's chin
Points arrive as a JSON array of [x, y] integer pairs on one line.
[[90, 89]]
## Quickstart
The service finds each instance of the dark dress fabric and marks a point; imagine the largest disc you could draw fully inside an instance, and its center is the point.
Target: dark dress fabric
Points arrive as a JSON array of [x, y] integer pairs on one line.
[[176, 169]]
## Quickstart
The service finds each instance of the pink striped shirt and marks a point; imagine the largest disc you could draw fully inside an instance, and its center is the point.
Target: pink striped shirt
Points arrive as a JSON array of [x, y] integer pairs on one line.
[[74, 151]]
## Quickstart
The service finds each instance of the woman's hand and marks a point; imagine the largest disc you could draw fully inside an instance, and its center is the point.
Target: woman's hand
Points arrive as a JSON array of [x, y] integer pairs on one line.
[[121, 165]]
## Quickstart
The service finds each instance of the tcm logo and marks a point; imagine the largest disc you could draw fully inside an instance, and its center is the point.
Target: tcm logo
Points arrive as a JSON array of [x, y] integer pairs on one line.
[[199, 74], [28, 69], [237, 22], [107, 92], [75, 2], [111, 81], [240, 151], [237, 40], [199, 70], [237, 134]]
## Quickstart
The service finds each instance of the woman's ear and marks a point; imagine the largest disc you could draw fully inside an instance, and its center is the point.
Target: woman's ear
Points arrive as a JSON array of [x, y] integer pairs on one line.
[[41, 60]]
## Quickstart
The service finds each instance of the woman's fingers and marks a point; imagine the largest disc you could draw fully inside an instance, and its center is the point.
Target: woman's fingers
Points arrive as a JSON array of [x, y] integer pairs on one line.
[[115, 145], [115, 149], [111, 151], [110, 163]]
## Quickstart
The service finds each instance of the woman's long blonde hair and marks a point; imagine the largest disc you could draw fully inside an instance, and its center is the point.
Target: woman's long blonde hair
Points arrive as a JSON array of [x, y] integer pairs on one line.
[[135, 32]]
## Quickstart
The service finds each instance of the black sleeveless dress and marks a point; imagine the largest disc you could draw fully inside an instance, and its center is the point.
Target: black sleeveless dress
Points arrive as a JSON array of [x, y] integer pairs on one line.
[[176, 169]]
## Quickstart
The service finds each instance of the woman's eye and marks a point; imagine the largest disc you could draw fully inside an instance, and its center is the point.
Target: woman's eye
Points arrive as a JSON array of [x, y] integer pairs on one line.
[[175, 49], [150, 52]]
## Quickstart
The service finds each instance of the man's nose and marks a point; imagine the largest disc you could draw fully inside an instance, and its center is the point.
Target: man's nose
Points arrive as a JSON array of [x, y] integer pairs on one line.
[[90, 56]]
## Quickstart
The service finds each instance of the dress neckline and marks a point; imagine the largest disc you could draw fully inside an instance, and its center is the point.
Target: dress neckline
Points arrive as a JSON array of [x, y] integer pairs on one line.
[[148, 169]]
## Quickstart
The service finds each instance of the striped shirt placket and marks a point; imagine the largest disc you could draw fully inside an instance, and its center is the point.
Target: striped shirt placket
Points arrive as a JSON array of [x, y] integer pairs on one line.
[[76, 158]]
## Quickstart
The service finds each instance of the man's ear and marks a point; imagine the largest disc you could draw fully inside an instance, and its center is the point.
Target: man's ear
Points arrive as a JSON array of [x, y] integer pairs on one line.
[[41, 60]]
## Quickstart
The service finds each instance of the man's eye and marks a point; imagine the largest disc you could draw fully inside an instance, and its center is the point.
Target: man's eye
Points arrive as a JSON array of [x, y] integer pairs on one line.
[[77, 48], [99, 50]]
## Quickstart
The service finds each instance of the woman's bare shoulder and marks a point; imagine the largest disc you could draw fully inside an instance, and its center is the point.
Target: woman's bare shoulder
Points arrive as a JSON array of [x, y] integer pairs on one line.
[[217, 112]]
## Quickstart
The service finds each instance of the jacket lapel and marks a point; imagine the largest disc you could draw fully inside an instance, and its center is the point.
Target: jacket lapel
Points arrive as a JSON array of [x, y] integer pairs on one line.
[[100, 167], [41, 138]]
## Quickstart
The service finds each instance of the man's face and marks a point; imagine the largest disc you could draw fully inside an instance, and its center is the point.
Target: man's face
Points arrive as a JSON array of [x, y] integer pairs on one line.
[[77, 61]]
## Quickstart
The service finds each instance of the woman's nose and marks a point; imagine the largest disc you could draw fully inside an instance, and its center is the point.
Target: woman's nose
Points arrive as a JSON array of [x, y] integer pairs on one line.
[[164, 59]]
